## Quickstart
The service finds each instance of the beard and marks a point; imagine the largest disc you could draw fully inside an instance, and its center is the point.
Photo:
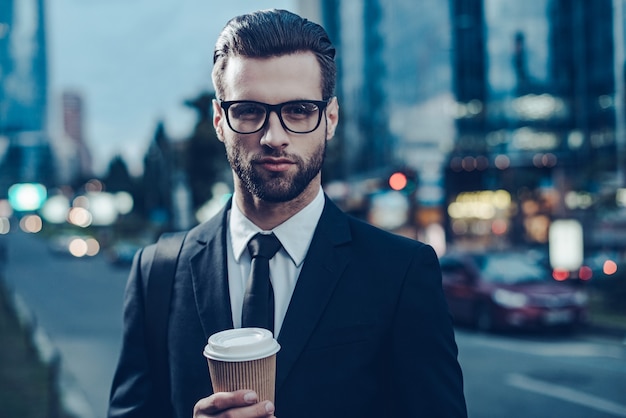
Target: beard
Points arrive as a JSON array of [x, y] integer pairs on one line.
[[271, 186]]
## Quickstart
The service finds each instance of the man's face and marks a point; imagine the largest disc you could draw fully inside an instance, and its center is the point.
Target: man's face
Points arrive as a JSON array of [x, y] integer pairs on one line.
[[275, 165]]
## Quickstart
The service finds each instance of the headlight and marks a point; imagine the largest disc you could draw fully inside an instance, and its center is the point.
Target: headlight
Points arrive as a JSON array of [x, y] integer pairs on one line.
[[581, 298], [510, 299]]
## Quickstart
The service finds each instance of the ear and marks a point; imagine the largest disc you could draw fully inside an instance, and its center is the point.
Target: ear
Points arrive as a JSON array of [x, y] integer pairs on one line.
[[218, 120], [332, 117]]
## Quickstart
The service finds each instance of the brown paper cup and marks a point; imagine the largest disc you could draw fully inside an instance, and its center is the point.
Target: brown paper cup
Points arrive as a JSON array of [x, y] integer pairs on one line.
[[258, 375], [243, 358]]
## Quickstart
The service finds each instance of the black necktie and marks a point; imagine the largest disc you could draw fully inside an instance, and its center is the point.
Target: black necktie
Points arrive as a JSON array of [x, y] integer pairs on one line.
[[258, 302]]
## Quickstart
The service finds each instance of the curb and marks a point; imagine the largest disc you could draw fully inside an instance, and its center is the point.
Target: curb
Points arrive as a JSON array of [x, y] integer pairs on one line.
[[68, 398]]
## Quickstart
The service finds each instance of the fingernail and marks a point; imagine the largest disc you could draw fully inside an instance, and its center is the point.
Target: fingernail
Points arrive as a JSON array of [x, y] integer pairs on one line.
[[269, 407], [250, 397]]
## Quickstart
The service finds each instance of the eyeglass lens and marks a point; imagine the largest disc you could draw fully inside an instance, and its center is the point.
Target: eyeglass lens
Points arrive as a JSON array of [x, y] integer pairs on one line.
[[298, 117]]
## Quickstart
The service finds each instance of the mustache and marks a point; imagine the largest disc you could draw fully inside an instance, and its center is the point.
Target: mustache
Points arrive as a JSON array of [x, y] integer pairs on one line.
[[274, 153]]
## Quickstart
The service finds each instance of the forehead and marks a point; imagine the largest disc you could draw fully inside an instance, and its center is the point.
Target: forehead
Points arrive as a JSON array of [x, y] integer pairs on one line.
[[274, 79]]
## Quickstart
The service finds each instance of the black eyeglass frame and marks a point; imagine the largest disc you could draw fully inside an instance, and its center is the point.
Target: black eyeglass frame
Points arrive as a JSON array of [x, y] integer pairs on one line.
[[276, 108]]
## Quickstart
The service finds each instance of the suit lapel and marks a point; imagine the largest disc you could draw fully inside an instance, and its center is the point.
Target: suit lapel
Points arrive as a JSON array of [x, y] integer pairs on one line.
[[323, 265], [325, 262], [210, 276]]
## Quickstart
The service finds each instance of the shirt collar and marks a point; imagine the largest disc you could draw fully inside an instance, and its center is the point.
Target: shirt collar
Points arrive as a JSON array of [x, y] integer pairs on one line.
[[295, 234]]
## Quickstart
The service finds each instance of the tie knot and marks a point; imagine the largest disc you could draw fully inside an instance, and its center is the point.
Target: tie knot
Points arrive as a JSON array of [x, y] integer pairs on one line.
[[262, 245]]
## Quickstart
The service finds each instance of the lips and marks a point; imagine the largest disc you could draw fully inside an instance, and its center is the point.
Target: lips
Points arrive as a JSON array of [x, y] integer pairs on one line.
[[275, 164]]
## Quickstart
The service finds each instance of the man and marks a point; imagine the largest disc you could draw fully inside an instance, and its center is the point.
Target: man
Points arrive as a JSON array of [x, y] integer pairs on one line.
[[359, 313]]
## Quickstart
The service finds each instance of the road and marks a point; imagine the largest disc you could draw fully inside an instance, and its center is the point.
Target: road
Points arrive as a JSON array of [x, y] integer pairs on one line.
[[543, 376], [78, 302]]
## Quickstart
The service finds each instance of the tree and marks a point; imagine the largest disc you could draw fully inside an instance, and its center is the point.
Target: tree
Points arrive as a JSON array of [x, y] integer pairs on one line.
[[118, 178], [157, 177], [205, 160]]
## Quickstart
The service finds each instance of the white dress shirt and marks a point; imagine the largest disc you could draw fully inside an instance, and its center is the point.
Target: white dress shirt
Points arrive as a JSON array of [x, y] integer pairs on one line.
[[295, 235]]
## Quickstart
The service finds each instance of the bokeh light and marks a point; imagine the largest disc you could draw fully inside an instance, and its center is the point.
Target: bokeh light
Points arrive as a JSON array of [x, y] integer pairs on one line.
[[499, 227], [56, 208], [78, 247], [93, 246], [80, 217], [31, 224], [560, 275], [81, 202], [397, 181], [103, 209], [124, 202], [609, 267], [27, 196], [5, 225], [94, 185], [6, 210], [81, 247], [585, 273], [502, 162]]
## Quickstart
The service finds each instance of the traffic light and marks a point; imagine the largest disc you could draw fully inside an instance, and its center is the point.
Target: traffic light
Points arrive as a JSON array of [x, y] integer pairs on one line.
[[403, 180], [398, 181]]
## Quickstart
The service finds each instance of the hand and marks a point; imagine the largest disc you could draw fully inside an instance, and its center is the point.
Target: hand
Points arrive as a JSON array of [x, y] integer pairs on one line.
[[238, 404]]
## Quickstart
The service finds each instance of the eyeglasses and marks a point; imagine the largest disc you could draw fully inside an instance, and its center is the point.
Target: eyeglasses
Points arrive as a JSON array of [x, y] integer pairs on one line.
[[298, 116]]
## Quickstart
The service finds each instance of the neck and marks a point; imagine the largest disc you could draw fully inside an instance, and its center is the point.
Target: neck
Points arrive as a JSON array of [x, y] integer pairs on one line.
[[268, 215]]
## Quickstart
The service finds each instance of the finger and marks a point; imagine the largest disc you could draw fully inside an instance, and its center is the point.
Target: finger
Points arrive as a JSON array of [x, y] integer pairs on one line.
[[263, 409], [223, 401]]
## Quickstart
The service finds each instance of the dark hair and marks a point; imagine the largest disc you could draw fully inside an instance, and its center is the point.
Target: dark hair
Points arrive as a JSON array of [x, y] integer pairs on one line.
[[271, 33]]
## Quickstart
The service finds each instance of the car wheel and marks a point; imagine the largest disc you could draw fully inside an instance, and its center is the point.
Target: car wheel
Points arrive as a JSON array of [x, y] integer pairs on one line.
[[483, 319]]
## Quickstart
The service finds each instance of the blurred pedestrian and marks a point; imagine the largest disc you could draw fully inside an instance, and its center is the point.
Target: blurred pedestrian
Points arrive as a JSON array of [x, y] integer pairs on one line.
[[359, 313]]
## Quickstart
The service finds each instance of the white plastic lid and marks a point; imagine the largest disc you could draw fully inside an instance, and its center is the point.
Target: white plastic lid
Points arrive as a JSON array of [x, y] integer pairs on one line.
[[241, 344]]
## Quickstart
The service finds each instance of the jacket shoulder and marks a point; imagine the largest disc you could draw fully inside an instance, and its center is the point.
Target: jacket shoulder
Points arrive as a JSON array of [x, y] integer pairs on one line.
[[374, 236]]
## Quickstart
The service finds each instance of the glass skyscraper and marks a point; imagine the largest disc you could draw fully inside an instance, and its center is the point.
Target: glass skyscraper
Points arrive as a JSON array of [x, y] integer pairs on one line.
[[395, 86], [25, 154], [536, 83]]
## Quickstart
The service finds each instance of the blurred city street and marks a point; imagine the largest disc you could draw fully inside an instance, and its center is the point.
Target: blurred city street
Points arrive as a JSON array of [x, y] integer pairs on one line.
[[542, 376], [492, 130], [78, 302]]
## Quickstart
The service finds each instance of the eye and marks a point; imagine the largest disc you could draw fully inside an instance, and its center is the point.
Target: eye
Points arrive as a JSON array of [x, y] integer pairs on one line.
[[247, 111], [299, 109]]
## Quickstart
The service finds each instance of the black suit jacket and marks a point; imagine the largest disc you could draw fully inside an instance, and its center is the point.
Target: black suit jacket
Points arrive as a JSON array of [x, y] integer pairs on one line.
[[367, 332]]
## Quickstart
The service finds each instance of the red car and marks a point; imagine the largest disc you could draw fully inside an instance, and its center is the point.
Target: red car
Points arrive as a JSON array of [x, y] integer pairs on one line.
[[509, 290]]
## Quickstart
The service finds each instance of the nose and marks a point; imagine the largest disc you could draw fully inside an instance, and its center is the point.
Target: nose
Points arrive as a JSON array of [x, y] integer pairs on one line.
[[274, 135]]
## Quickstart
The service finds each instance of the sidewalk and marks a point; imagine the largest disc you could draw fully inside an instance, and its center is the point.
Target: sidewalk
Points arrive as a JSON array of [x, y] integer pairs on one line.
[[32, 381], [76, 303], [28, 368]]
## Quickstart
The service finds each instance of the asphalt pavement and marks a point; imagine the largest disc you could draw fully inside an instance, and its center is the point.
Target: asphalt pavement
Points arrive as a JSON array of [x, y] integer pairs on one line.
[[75, 306]]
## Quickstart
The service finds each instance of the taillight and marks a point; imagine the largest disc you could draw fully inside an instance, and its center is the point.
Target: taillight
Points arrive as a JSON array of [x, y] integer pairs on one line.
[[585, 273], [560, 275]]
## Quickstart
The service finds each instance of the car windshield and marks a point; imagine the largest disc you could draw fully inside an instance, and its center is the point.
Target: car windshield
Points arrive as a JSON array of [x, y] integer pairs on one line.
[[511, 269]]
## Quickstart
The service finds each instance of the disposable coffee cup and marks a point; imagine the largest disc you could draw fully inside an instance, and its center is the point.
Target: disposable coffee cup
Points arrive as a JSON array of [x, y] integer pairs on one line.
[[243, 358]]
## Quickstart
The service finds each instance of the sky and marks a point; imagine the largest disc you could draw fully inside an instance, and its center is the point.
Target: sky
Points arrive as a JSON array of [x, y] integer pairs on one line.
[[134, 62]]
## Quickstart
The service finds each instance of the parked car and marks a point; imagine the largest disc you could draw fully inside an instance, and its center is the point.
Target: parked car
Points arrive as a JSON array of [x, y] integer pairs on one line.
[[509, 290]]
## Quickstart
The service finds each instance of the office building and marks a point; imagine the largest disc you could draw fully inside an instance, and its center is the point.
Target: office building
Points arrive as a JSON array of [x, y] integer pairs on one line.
[[26, 155], [542, 79], [73, 143]]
